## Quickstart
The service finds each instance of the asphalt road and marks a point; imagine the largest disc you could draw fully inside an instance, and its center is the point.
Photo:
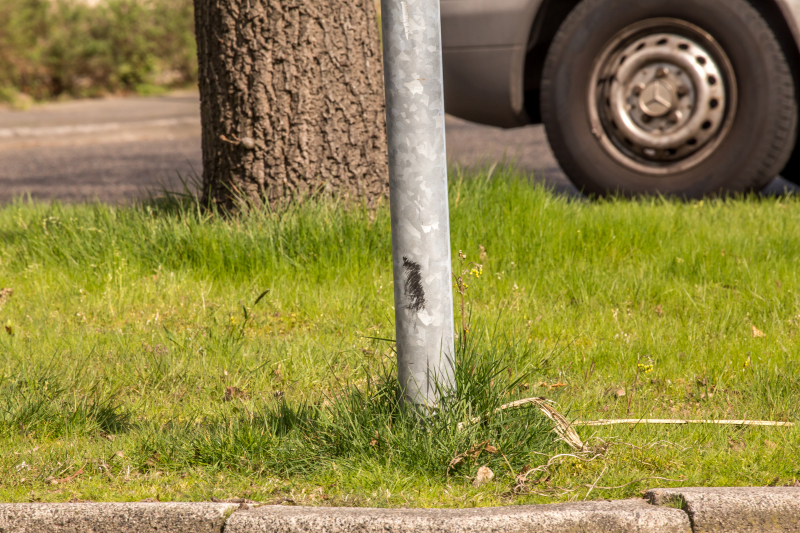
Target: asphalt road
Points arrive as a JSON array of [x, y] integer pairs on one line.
[[119, 149], [113, 150]]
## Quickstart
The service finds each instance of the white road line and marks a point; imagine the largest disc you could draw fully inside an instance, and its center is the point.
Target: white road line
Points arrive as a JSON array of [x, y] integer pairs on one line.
[[54, 131]]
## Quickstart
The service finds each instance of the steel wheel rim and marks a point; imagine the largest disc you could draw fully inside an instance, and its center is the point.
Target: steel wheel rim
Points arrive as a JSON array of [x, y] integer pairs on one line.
[[662, 96]]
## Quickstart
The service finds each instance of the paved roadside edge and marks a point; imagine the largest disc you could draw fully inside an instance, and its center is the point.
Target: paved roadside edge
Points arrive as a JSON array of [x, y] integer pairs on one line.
[[739, 509], [114, 517], [588, 517], [626, 516], [681, 510]]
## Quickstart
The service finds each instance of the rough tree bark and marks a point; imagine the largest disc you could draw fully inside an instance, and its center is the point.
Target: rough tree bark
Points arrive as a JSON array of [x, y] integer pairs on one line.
[[292, 100]]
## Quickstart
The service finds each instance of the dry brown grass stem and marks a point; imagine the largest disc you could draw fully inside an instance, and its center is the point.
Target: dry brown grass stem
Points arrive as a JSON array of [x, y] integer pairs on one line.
[[564, 429], [562, 426], [681, 422]]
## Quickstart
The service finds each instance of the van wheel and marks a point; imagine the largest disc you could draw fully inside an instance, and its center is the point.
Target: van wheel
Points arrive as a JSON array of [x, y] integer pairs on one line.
[[677, 97]]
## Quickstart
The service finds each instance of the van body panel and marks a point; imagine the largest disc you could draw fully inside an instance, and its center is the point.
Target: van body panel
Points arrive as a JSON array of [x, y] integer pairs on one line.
[[484, 47], [791, 10], [485, 23]]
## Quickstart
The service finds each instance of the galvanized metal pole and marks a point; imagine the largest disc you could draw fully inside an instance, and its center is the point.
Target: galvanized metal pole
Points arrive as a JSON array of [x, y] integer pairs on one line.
[[423, 294]]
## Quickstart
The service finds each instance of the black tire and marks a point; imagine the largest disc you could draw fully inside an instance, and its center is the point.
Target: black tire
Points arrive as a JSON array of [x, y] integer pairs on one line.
[[762, 127]]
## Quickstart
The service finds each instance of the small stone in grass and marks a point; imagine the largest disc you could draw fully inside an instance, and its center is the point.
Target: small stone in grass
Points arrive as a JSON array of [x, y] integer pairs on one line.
[[484, 476]]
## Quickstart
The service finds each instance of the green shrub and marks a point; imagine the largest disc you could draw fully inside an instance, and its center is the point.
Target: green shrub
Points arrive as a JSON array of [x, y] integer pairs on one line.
[[54, 48]]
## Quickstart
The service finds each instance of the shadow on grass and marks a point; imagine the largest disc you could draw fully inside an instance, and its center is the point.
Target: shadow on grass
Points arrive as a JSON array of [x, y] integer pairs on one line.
[[40, 402]]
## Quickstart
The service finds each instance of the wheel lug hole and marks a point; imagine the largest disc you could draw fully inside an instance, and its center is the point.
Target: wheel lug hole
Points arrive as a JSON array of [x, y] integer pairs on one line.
[[683, 90], [662, 72], [637, 89], [675, 117]]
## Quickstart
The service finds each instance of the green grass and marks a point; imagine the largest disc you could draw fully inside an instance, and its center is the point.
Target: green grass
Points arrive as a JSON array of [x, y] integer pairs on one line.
[[127, 356]]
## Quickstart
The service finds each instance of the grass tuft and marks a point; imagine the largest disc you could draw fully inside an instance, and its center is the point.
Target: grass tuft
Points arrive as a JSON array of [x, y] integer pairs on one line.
[[42, 405], [367, 426]]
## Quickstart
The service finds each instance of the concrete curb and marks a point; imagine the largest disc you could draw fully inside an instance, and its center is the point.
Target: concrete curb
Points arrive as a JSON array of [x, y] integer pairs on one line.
[[722, 510], [114, 517], [741, 510], [627, 516]]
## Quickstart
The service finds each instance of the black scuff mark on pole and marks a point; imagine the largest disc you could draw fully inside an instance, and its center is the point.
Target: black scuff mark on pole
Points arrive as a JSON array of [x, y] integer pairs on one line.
[[413, 285]]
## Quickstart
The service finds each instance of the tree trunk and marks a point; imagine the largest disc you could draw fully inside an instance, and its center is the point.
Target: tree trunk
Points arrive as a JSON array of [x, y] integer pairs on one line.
[[292, 100]]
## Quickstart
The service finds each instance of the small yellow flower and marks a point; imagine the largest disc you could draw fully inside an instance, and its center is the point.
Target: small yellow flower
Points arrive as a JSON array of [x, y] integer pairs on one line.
[[645, 368]]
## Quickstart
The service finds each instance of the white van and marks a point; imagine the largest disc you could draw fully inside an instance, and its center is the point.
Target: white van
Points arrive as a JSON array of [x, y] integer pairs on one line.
[[677, 97]]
